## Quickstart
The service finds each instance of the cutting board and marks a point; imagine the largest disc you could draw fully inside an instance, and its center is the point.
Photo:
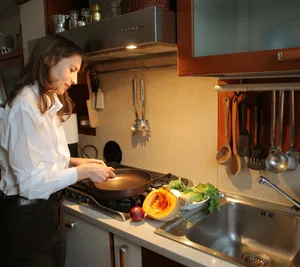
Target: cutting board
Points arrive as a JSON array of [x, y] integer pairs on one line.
[[93, 113]]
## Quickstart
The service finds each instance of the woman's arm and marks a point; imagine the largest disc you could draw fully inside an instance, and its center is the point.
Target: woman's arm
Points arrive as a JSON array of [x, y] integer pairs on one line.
[[79, 161]]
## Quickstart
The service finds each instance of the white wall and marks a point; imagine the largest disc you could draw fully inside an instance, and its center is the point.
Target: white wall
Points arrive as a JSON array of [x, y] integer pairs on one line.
[[11, 26], [33, 22]]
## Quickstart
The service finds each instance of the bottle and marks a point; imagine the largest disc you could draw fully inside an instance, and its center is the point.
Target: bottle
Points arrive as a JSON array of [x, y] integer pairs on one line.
[[96, 15]]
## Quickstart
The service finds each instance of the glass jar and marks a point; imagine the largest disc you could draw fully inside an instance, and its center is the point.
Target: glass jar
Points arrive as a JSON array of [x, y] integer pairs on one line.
[[85, 15], [74, 15]]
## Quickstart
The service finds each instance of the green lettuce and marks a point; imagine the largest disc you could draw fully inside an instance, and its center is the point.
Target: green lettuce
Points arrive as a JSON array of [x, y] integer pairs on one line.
[[191, 196], [198, 193], [177, 184]]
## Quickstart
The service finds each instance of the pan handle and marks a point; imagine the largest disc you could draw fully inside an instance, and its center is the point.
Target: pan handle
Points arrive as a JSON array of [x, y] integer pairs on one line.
[[122, 255]]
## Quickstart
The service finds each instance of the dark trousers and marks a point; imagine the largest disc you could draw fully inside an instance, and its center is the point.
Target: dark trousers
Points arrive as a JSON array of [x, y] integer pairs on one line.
[[32, 235]]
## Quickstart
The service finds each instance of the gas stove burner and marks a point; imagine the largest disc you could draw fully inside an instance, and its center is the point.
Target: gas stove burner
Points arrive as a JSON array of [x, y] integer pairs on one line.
[[123, 205]]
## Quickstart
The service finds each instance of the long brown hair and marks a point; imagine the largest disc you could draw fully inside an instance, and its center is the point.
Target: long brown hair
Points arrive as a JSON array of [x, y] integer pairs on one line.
[[47, 52]]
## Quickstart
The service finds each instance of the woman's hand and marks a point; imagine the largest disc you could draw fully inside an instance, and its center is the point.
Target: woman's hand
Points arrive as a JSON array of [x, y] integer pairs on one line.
[[79, 161], [96, 172]]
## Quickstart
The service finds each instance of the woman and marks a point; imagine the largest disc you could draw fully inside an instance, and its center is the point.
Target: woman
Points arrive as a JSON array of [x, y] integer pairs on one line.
[[35, 161]]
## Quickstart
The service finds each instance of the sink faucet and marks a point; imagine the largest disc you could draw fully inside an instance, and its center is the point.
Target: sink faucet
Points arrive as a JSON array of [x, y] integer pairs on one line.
[[263, 180]]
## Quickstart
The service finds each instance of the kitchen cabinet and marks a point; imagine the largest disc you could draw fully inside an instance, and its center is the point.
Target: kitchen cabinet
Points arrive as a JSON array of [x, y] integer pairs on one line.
[[127, 254], [87, 245], [91, 246], [232, 37], [150, 259]]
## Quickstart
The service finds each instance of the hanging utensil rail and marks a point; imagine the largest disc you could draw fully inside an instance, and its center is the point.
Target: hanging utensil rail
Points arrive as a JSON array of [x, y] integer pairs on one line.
[[139, 68], [258, 87]]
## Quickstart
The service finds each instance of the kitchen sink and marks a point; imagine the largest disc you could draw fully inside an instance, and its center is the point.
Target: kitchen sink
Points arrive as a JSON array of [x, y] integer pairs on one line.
[[247, 232]]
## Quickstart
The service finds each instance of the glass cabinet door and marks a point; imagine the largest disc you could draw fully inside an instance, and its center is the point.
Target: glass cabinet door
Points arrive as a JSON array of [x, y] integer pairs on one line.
[[234, 26]]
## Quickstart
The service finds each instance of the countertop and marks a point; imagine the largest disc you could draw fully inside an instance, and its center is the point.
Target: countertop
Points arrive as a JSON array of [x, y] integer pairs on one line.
[[142, 233]]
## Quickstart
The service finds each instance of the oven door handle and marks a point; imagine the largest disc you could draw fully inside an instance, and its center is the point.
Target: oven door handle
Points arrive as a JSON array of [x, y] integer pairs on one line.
[[70, 225], [122, 255]]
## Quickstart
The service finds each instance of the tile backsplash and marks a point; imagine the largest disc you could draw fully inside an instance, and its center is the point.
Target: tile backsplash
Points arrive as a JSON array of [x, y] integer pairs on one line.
[[182, 112]]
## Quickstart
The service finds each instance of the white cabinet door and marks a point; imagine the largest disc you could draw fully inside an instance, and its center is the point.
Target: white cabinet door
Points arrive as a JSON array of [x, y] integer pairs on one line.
[[87, 245], [127, 254]]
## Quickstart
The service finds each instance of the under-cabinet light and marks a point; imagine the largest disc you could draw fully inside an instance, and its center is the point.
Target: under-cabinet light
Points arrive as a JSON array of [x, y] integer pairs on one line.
[[131, 46]]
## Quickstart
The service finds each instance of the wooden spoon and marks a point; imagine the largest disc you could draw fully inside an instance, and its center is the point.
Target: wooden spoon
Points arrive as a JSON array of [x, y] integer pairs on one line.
[[234, 166], [224, 153]]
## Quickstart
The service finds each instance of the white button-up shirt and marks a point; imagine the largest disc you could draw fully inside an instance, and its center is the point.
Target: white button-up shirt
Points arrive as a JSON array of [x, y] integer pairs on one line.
[[34, 155]]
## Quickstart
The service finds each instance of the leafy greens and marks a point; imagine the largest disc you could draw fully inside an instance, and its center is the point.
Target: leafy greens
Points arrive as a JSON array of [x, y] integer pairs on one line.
[[197, 193]]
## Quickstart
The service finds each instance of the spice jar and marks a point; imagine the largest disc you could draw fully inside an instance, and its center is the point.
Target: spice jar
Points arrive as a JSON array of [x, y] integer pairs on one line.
[[85, 15]]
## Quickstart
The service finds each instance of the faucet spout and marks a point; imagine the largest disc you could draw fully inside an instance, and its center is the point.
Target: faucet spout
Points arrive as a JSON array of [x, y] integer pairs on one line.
[[264, 180]]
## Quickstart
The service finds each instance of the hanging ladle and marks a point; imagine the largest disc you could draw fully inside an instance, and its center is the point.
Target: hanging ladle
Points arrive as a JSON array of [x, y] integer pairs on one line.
[[136, 123], [277, 162], [292, 153], [224, 153], [144, 124]]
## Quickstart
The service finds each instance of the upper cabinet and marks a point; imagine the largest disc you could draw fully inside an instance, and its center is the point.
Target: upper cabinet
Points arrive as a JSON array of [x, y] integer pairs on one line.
[[234, 38]]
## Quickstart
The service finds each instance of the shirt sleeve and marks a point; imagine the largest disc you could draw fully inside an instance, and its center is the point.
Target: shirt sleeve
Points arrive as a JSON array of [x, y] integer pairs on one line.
[[34, 179]]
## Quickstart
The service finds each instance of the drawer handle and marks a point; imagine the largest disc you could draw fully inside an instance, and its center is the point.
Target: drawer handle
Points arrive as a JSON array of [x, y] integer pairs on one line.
[[122, 252], [288, 55], [70, 225]]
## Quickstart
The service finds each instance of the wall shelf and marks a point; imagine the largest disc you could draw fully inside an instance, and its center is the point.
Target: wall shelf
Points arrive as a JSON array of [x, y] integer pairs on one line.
[[11, 55]]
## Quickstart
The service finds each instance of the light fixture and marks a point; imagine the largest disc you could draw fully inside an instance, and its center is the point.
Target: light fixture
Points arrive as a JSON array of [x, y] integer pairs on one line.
[[132, 46]]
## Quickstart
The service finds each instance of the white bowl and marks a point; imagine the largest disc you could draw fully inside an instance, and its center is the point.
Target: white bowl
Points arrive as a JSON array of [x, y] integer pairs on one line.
[[194, 205]]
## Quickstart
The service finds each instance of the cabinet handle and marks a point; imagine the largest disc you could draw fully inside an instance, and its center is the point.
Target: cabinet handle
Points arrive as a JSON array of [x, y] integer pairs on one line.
[[122, 252], [288, 55], [70, 225]]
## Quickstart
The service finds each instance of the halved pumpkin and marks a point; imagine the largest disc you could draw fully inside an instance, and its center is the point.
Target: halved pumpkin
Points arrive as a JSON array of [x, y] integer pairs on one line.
[[161, 204]]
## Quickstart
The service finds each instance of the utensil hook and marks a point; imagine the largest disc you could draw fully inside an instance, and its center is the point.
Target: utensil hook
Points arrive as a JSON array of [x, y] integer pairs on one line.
[[133, 74], [237, 94], [141, 71]]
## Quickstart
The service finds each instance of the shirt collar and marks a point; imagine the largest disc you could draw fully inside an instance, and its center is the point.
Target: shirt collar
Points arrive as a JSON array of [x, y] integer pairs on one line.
[[55, 107]]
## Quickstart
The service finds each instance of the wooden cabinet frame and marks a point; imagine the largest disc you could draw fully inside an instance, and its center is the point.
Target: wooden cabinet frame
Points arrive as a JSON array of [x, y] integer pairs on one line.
[[220, 65]]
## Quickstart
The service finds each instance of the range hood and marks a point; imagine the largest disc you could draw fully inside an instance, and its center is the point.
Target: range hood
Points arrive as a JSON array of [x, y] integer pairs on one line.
[[151, 30]]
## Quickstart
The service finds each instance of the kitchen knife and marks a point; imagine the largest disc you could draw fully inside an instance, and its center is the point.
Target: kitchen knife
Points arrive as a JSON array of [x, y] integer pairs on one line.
[[95, 86]]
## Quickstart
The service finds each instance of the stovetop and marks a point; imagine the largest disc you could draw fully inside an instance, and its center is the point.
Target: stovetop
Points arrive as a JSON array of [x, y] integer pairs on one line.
[[118, 209]]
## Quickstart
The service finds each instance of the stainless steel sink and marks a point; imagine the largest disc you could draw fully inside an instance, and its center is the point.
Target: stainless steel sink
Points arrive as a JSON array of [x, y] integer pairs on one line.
[[247, 232]]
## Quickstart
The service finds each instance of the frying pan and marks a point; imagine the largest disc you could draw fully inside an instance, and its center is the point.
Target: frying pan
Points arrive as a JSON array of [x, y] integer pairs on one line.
[[127, 183]]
